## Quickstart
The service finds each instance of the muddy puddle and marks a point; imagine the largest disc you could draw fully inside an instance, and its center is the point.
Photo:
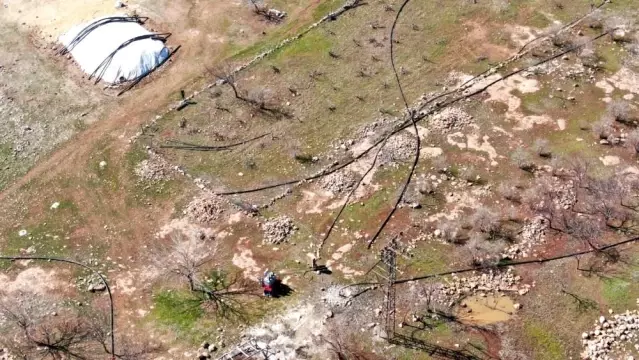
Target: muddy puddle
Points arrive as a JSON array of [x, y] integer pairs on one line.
[[486, 310]]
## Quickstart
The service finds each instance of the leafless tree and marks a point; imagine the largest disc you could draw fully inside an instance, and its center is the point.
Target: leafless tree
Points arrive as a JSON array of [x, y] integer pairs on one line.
[[35, 334], [225, 74], [186, 257]]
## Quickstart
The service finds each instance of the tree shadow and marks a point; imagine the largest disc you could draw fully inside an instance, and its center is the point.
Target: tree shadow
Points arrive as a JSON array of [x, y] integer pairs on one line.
[[433, 350]]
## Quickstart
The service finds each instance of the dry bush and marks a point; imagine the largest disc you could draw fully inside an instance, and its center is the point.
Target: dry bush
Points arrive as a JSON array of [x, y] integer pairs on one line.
[[470, 174], [484, 252], [542, 148], [622, 112], [450, 231], [510, 192], [563, 40], [603, 128], [633, 140], [589, 56], [523, 160], [486, 221]]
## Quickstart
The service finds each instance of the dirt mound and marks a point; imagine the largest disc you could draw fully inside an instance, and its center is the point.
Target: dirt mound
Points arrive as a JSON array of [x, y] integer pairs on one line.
[[204, 208], [154, 169], [338, 182], [450, 119], [277, 230]]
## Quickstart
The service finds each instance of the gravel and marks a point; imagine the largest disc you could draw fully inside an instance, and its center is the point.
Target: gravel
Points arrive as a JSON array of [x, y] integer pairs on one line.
[[277, 230]]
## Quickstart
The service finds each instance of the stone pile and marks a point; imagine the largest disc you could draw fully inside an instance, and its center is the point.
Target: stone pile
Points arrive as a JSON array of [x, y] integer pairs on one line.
[[154, 169], [204, 209], [483, 284], [450, 119], [531, 235], [337, 182], [612, 336], [399, 148], [277, 230]]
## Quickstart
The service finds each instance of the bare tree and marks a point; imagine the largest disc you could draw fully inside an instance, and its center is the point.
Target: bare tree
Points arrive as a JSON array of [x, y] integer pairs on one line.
[[225, 74], [185, 257], [36, 334]]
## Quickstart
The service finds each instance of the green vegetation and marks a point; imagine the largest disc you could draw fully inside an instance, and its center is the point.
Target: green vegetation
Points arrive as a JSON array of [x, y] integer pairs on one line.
[[617, 293], [544, 341], [179, 310]]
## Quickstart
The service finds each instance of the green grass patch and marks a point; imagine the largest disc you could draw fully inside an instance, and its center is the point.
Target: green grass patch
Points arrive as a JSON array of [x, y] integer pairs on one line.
[[544, 342], [179, 310], [617, 293], [314, 43], [611, 57]]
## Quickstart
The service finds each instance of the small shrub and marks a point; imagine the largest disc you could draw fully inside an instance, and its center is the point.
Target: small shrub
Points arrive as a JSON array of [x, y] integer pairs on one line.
[[621, 112], [470, 174], [486, 221], [603, 128], [510, 192], [523, 160], [563, 40], [633, 140], [542, 149], [589, 57], [584, 125], [449, 231]]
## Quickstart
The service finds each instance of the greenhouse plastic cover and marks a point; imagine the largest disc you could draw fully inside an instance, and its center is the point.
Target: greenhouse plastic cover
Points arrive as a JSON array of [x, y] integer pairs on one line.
[[130, 62]]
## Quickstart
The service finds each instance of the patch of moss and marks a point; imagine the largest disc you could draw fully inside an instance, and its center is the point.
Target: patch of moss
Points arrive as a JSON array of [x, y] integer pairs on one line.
[[544, 342], [179, 310], [617, 293]]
